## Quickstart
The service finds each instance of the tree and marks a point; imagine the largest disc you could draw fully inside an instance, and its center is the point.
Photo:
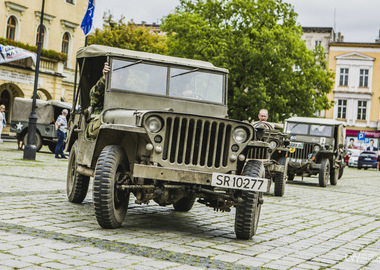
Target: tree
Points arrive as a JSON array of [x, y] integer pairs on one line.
[[260, 43], [128, 36]]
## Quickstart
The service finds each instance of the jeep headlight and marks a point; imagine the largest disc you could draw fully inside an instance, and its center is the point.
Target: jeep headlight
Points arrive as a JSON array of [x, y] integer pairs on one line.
[[272, 144], [316, 148], [240, 135], [153, 124]]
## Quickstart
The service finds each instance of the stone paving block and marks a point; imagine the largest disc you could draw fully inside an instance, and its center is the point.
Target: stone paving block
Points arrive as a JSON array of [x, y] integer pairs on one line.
[[14, 263]]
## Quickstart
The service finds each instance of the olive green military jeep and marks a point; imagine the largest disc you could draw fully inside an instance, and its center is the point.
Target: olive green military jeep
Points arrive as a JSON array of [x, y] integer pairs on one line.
[[272, 150], [317, 147], [164, 136]]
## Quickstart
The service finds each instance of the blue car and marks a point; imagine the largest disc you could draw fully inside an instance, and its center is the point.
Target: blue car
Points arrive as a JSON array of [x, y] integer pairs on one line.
[[367, 159]]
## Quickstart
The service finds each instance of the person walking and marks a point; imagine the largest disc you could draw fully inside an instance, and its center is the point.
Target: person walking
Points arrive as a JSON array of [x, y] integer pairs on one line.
[[61, 127], [3, 121]]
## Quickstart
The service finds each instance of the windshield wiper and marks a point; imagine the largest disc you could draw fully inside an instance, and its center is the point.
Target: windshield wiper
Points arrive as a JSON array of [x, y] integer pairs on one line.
[[186, 72], [129, 65]]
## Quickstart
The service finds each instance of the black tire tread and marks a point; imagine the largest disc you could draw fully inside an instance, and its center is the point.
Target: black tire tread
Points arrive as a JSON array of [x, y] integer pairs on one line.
[[247, 211], [103, 187], [78, 192], [280, 179]]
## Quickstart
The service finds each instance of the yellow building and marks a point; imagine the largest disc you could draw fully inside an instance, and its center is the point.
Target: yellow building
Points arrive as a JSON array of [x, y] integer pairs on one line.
[[20, 21], [357, 90]]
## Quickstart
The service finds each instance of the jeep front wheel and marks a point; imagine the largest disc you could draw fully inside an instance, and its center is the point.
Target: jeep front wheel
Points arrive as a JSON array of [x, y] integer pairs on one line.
[[110, 201], [248, 211], [280, 179], [324, 172], [77, 184]]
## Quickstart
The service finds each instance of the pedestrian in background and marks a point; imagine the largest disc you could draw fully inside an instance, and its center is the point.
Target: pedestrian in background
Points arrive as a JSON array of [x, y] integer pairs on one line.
[[3, 122], [61, 127]]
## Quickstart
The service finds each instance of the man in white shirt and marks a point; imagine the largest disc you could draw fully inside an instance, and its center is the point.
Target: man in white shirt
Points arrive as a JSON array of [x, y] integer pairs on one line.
[[61, 127]]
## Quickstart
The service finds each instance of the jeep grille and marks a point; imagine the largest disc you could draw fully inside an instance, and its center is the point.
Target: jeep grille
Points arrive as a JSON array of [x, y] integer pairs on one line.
[[257, 153], [303, 153], [197, 142]]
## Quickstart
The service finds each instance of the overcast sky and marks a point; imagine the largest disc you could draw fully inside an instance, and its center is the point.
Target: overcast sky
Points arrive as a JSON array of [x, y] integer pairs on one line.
[[357, 20]]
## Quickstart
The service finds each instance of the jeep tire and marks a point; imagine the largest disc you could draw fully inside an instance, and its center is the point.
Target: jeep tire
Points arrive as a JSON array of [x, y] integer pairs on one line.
[[38, 140], [248, 211], [77, 184], [110, 202], [334, 176], [184, 204], [280, 179], [324, 172]]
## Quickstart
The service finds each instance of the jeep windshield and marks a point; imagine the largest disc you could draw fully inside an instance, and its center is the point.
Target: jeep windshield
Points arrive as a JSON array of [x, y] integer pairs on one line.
[[164, 80], [318, 130]]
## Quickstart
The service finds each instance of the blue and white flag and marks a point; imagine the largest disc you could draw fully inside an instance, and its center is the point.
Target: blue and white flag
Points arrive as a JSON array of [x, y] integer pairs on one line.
[[87, 20]]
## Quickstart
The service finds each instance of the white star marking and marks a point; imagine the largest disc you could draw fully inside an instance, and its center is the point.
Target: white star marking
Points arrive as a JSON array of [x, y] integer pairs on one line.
[[19, 126]]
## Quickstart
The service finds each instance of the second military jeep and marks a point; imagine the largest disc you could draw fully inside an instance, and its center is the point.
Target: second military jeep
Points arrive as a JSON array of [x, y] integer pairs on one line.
[[163, 136], [317, 147], [272, 149]]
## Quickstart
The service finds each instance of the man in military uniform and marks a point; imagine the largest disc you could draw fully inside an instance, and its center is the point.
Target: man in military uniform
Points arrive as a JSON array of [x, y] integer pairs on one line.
[[96, 103], [97, 92]]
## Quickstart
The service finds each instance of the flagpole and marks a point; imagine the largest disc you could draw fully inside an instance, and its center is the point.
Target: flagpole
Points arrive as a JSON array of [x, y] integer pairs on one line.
[[30, 148]]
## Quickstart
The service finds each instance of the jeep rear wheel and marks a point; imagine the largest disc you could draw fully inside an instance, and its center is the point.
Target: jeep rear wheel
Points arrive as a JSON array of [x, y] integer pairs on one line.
[[77, 184], [248, 211], [341, 170], [184, 204], [38, 141], [280, 179], [110, 201], [334, 175], [324, 172]]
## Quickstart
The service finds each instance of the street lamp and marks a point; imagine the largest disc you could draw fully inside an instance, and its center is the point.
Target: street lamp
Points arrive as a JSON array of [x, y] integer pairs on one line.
[[30, 148]]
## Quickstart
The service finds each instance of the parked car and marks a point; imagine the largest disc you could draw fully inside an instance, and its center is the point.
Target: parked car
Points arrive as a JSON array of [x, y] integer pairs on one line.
[[347, 157], [353, 160], [47, 112], [367, 159]]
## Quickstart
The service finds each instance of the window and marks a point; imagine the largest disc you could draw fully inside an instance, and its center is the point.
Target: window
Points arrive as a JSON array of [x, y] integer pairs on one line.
[[318, 43], [42, 36], [70, 1], [342, 108], [362, 110], [11, 28], [65, 43], [343, 79], [363, 79]]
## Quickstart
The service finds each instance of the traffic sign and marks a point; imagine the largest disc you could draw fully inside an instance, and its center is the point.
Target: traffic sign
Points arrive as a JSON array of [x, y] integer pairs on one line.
[[361, 136]]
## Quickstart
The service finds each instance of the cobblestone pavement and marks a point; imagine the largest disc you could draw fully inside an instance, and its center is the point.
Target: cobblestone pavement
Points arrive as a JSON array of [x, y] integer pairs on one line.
[[310, 227]]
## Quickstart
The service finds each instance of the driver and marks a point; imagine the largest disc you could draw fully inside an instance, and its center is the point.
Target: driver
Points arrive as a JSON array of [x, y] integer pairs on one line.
[[263, 115]]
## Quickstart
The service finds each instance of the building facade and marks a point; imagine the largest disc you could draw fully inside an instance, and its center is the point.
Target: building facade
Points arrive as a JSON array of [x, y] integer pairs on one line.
[[61, 32], [356, 90]]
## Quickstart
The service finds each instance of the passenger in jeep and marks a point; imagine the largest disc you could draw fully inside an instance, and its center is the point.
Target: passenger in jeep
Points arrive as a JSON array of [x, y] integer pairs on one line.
[[97, 92]]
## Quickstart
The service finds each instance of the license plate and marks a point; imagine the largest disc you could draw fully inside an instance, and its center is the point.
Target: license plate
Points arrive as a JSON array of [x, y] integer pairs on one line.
[[297, 145], [368, 159], [239, 182]]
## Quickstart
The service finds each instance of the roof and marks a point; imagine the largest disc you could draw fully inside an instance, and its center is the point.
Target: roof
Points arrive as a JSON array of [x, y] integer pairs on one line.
[[312, 120], [100, 50]]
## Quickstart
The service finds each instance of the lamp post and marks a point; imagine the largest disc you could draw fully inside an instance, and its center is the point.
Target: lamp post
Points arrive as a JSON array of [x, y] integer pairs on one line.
[[30, 148]]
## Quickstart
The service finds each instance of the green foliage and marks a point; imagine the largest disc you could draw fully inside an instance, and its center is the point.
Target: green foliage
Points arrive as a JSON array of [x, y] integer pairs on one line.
[[128, 36], [260, 43], [51, 54]]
